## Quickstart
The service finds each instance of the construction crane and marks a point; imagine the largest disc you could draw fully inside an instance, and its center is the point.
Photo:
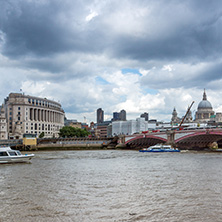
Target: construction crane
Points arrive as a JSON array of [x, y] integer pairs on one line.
[[185, 114]]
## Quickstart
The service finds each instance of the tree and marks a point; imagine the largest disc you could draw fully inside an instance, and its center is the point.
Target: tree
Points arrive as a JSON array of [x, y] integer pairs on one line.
[[69, 131]]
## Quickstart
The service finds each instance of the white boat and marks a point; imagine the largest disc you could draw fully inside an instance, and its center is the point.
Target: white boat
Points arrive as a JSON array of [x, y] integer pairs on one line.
[[160, 148], [7, 155]]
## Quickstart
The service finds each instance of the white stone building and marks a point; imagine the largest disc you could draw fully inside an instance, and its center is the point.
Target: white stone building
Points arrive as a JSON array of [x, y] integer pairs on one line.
[[29, 114], [3, 124]]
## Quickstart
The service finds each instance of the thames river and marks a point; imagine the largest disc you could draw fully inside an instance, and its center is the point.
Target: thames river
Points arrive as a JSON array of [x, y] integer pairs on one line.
[[113, 185]]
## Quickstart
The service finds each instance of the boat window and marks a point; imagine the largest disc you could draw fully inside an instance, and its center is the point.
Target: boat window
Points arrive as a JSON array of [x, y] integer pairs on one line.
[[13, 153], [18, 153], [3, 154]]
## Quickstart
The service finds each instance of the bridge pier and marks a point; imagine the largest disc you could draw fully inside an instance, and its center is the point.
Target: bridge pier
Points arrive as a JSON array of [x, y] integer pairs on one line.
[[171, 137]]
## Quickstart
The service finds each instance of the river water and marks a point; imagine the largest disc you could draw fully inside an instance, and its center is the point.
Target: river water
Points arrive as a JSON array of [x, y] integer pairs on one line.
[[113, 185]]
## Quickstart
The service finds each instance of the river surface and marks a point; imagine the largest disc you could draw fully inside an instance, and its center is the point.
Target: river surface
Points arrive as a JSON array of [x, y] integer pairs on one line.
[[113, 185]]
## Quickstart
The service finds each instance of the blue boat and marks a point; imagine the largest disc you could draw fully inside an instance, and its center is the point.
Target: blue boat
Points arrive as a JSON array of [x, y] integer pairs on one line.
[[160, 148]]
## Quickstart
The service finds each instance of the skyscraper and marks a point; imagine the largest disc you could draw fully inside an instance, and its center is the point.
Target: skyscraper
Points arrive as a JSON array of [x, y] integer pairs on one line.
[[145, 115], [123, 115], [119, 116], [100, 115]]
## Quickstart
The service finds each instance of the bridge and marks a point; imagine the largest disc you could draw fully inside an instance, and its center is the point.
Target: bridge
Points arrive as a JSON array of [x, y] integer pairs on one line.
[[184, 139]]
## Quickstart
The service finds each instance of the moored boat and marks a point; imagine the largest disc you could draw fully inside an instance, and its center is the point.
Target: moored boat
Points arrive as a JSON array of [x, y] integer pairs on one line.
[[7, 155], [160, 148]]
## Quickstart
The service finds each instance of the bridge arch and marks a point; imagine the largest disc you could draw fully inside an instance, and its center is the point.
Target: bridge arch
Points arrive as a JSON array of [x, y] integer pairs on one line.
[[142, 141], [198, 139]]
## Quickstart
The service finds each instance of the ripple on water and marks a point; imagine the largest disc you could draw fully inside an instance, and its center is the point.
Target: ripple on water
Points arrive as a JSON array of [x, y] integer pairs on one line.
[[112, 186]]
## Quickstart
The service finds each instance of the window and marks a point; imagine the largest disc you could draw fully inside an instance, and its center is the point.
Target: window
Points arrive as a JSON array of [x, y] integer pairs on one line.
[[29, 100], [19, 113], [18, 117], [18, 153], [13, 153], [18, 108], [3, 154]]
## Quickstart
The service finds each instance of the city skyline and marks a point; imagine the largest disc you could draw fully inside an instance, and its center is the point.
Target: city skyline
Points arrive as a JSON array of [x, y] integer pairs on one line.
[[144, 56]]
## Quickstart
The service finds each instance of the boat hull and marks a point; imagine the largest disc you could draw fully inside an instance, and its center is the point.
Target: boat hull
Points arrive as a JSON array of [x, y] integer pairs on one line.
[[17, 159], [159, 151]]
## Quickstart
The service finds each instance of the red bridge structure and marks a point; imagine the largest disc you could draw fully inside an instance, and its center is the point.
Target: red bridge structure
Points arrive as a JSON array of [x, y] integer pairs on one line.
[[183, 139]]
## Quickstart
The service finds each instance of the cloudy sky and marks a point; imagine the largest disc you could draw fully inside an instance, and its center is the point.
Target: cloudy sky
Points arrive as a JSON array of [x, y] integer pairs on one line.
[[141, 56]]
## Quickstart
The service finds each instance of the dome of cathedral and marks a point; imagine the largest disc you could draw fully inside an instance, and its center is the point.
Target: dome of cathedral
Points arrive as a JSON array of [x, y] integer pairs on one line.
[[204, 104]]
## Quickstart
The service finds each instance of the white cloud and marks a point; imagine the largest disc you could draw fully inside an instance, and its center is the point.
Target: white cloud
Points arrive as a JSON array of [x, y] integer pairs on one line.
[[92, 15], [175, 46]]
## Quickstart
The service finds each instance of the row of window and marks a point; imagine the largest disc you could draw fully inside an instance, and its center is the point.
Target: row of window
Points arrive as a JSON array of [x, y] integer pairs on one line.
[[42, 103]]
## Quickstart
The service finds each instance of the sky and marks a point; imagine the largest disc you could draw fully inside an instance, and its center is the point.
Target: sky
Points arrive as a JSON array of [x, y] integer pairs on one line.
[[140, 56]]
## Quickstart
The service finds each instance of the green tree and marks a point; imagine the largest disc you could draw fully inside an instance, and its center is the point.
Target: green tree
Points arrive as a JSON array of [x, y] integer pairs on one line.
[[69, 131]]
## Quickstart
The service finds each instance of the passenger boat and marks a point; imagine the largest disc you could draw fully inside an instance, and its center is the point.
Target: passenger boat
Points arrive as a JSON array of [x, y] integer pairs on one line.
[[160, 148], [7, 155]]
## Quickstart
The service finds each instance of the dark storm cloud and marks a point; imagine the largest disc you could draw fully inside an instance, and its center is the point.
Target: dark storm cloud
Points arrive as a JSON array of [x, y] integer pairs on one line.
[[188, 31], [181, 38], [44, 28], [211, 73]]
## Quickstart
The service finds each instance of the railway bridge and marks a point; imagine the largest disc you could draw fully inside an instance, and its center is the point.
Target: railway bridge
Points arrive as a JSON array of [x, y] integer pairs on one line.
[[184, 139]]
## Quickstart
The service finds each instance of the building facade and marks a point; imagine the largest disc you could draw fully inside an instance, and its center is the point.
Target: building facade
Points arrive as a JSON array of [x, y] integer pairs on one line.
[[145, 115], [101, 129], [204, 111], [3, 124], [29, 114], [175, 119], [100, 115], [119, 115], [129, 127]]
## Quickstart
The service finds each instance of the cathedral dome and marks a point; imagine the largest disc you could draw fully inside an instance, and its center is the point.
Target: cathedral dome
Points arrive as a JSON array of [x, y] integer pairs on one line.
[[204, 104]]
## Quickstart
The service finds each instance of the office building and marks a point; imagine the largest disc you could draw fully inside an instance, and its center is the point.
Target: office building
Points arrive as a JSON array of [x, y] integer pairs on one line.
[[100, 115], [34, 115]]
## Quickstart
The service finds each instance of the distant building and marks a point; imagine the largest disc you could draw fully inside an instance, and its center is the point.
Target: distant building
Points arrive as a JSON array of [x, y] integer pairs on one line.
[[218, 117], [123, 115], [119, 116], [30, 114], [116, 116], [188, 118], [101, 129], [145, 115], [129, 127], [100, 115], [205, 111], [68, 122], [175, 119], [3, 124]]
